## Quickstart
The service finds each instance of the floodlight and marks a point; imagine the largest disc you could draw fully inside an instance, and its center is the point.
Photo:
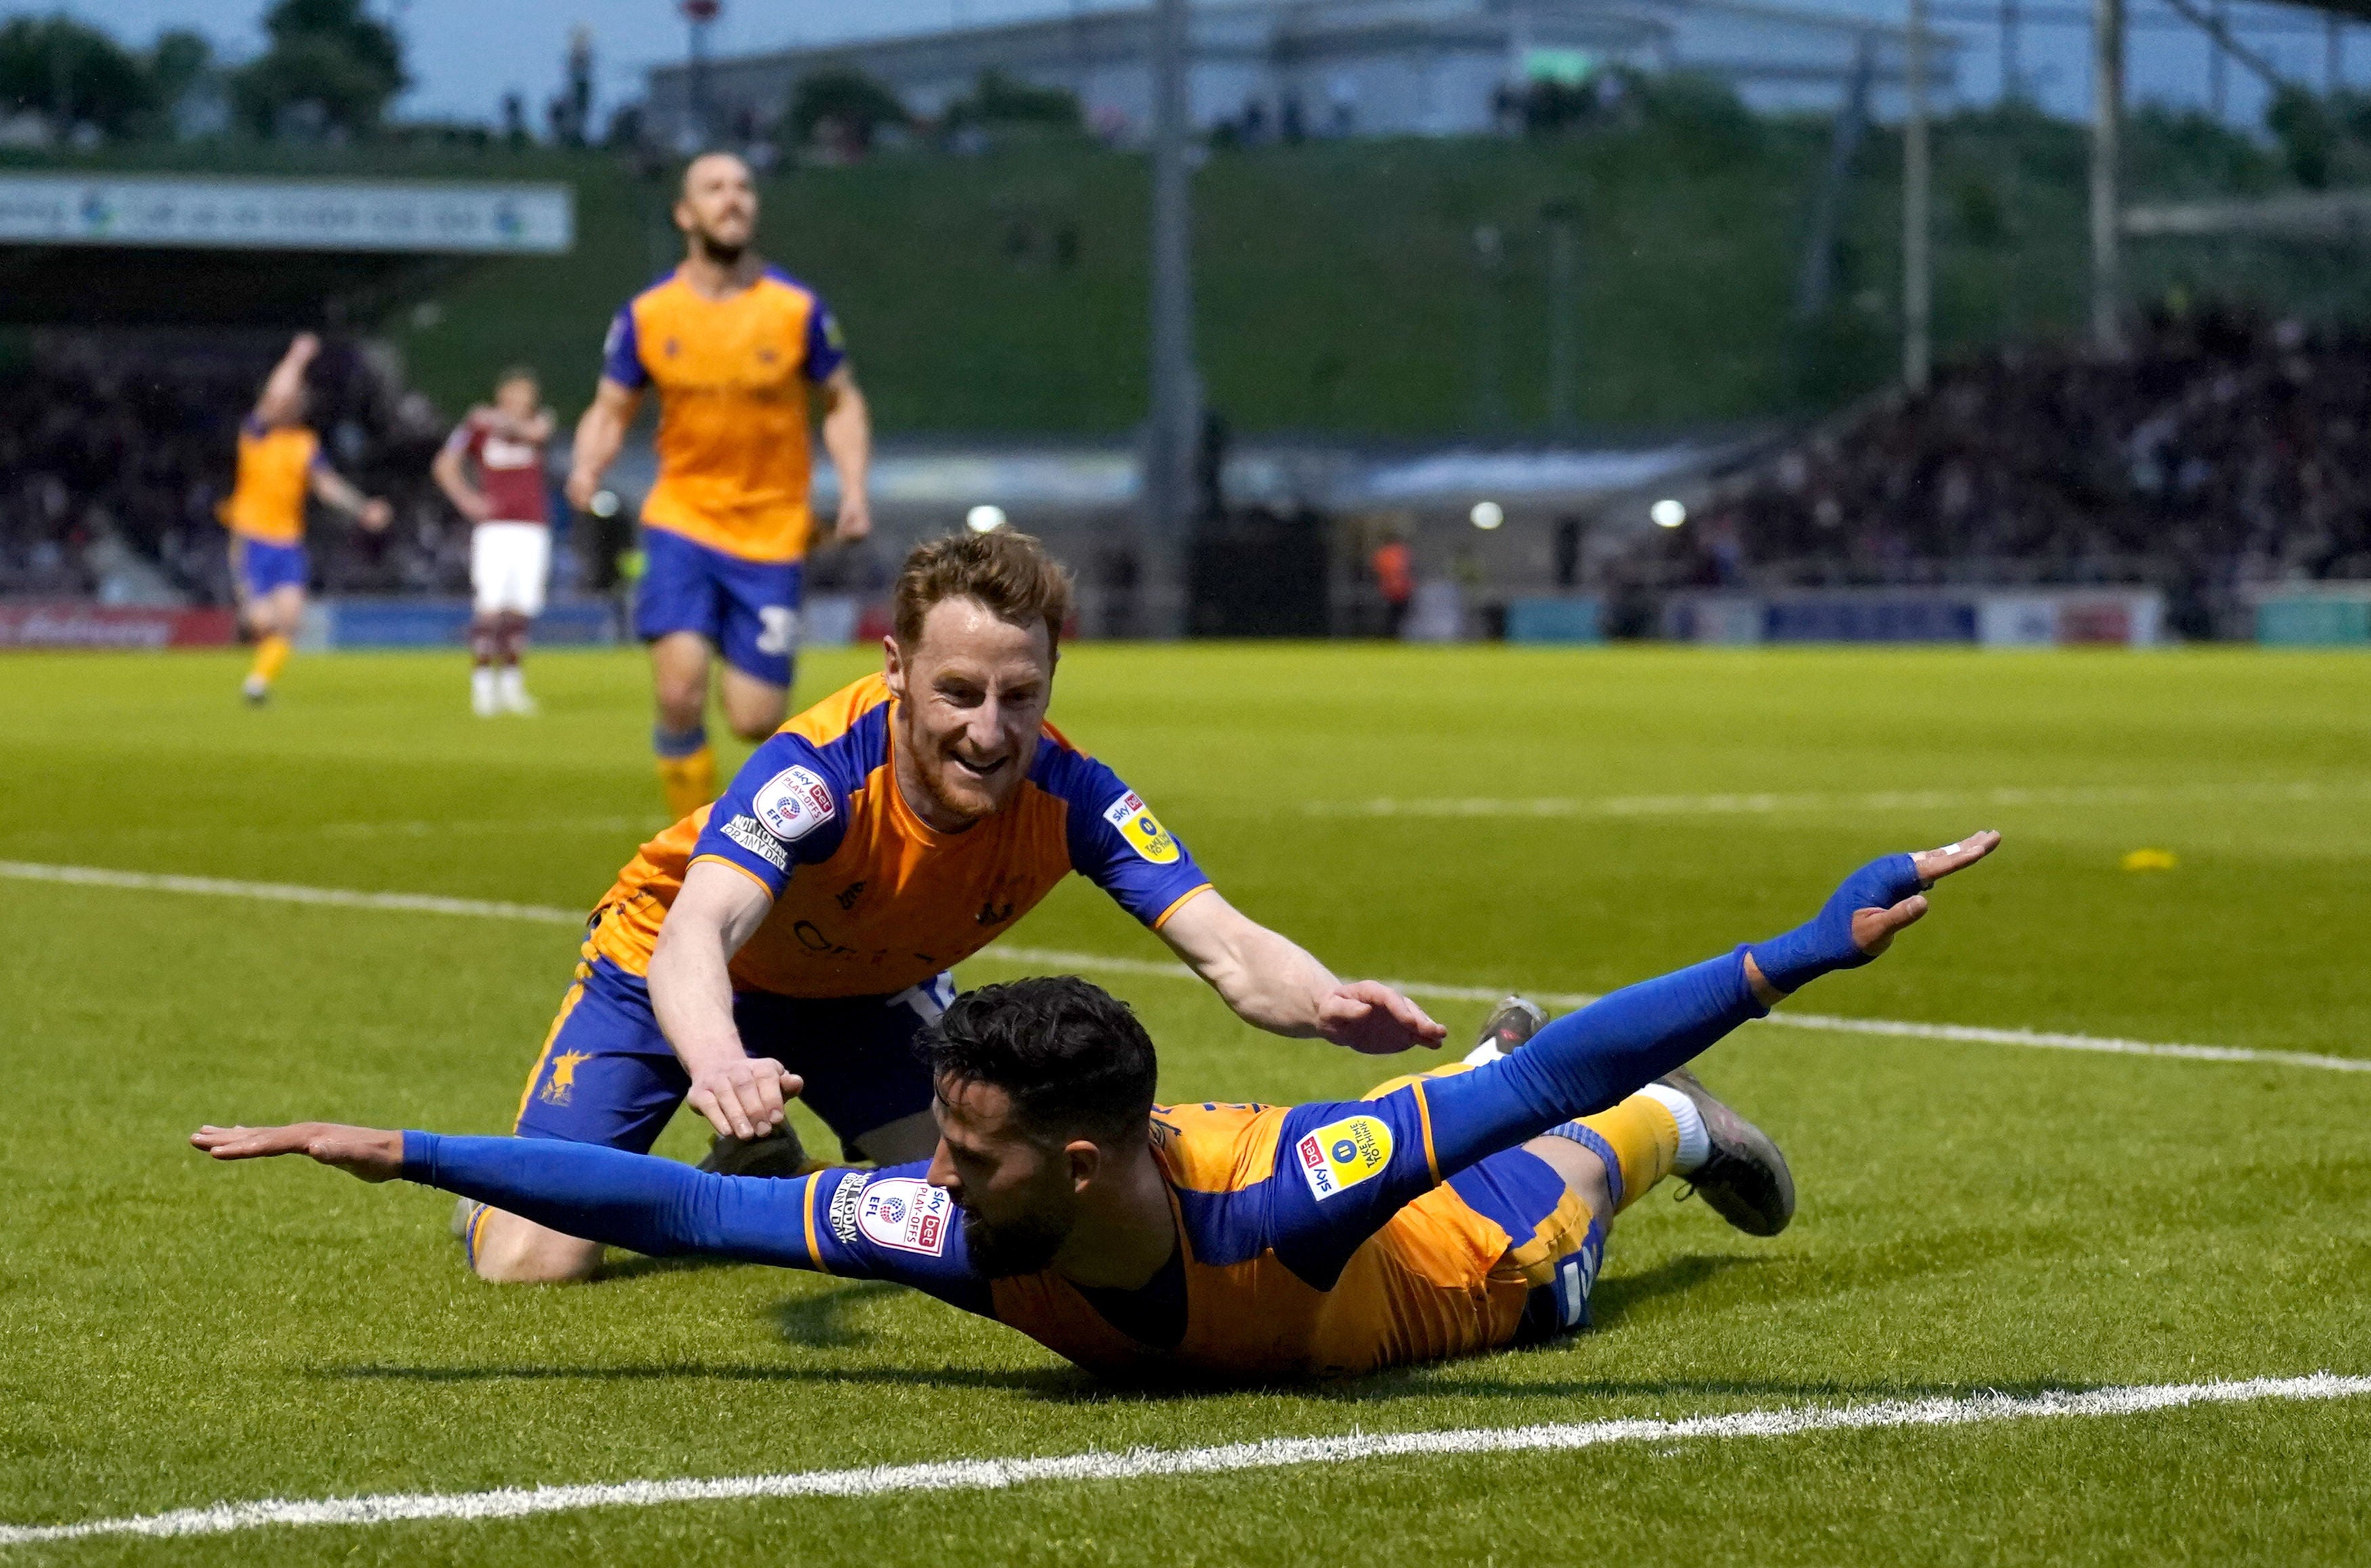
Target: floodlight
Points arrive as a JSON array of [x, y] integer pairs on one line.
[[1668, 513], [984, 519], [1487, 514], [605, 504]]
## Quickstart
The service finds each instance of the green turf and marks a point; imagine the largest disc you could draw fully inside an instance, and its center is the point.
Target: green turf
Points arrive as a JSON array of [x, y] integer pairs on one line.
[[1973, 1216]]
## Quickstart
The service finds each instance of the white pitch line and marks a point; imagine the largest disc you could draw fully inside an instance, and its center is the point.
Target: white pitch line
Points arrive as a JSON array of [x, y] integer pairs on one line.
[[1137, 1464], [1102, 964], [1879, 800]]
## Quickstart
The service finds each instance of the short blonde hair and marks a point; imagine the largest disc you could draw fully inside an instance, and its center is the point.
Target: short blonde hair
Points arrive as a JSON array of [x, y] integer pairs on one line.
[[1009, 573]]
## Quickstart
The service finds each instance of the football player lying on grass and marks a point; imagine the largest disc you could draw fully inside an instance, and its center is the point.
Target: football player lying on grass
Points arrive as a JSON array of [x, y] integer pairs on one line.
[[1446, 1213]]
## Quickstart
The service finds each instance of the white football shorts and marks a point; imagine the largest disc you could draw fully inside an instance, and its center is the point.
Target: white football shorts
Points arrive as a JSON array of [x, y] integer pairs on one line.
[[510, 563]]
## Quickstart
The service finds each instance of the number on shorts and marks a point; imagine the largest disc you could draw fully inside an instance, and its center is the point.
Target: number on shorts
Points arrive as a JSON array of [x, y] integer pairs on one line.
[[781, 631]]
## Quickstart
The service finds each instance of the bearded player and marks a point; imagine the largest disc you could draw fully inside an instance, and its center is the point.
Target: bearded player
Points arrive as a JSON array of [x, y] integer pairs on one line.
[[806, 923], [1445, 1213], [280, 463], [737, 349], [510, 534]]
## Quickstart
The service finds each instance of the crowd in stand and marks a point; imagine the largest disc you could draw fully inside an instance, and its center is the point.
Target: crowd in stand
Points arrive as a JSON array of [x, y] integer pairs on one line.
[[2221, 450], [113, 454]]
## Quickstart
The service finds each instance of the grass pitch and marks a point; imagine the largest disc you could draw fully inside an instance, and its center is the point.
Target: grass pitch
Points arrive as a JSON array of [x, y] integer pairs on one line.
[[1974, 1216]]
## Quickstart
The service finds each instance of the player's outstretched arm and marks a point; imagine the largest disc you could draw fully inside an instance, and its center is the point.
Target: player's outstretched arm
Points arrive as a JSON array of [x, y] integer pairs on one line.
[[367, 1152], [284, 386], [1589, 1060], [1272, 983], [656, 1206]]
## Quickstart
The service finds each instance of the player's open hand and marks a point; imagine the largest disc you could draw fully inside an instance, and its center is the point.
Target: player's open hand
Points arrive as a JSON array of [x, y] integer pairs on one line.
[[743, 1099], [377, 515], [1874, 929], [365, 1152], [1374, 1019]]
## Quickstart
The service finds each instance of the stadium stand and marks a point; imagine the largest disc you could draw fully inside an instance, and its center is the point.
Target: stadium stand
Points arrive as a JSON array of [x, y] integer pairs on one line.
[[115, 447], [2225, 451]]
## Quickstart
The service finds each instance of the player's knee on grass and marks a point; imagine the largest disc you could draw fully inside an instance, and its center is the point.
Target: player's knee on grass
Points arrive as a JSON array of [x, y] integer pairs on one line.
[[507, 1250]]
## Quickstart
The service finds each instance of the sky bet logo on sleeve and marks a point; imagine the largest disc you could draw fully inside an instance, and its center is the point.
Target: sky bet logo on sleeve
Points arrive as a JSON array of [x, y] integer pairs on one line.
[[900, 1212], [1142, 829], [794, 803], [1343, 1154]]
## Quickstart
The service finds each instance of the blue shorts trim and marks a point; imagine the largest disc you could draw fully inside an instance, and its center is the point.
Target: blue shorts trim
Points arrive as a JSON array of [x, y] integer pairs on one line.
[[748, 609], [608, 1077], [263, 567]]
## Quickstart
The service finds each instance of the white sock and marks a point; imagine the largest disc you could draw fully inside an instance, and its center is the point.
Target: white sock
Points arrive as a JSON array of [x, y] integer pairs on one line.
[[1695, 1144], [514, 681], [481, 689], [1482, 1055]]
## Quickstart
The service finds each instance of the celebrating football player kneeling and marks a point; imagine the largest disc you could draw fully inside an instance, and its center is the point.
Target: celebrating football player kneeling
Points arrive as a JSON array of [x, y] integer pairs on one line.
[[1447, 1213], [805, 923]]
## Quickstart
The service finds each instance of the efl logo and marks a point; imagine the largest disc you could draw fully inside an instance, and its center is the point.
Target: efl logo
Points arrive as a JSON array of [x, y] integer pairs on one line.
[[1342, 1154], [794, 803], [908, 1215]]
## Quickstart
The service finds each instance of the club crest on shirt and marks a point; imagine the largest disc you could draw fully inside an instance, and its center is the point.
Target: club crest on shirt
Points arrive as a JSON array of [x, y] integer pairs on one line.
[[1142, 828], [1342, 1154], [794, 803], [911, 1216]]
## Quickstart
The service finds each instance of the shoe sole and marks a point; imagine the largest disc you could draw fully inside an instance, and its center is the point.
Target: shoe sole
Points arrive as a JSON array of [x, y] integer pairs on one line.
[[1741, 1140]]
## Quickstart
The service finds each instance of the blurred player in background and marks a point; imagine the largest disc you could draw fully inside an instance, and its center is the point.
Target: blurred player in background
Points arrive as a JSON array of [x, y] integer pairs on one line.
[[280, 463], [510, 543], [733, 346]]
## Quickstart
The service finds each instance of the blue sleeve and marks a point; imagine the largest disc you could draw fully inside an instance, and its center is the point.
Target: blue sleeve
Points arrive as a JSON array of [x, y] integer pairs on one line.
[[787, 807], [832, 1221], [621, 353], [1589, 1060], [826, 350], [1116, 842], [1342, 1170], [1359, 1163]]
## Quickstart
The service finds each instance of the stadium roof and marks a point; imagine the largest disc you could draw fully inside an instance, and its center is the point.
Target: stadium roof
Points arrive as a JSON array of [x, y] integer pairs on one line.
[[144, 249]]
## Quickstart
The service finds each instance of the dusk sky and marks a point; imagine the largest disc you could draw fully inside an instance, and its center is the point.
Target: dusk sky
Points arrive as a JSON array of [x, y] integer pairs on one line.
[[463, 63]]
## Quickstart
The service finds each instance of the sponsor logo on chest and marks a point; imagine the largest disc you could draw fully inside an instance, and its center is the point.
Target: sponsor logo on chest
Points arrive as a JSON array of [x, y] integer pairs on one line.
[[497, 452]]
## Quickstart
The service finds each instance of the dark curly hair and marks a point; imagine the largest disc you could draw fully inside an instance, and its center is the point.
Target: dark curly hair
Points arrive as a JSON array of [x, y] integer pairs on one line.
[[1072, 1056]]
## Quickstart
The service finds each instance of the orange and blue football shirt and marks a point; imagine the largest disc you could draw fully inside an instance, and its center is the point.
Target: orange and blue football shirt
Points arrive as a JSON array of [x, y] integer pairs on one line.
[[868, 898], [733, 377], [1328, 1239], [275, 474], [1312, 1240]]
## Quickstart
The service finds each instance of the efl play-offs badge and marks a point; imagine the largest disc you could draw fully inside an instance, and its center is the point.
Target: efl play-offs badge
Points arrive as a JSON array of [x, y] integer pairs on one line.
[[1142, 829], [794, 803], [910, 1216], [1343, 1154]]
